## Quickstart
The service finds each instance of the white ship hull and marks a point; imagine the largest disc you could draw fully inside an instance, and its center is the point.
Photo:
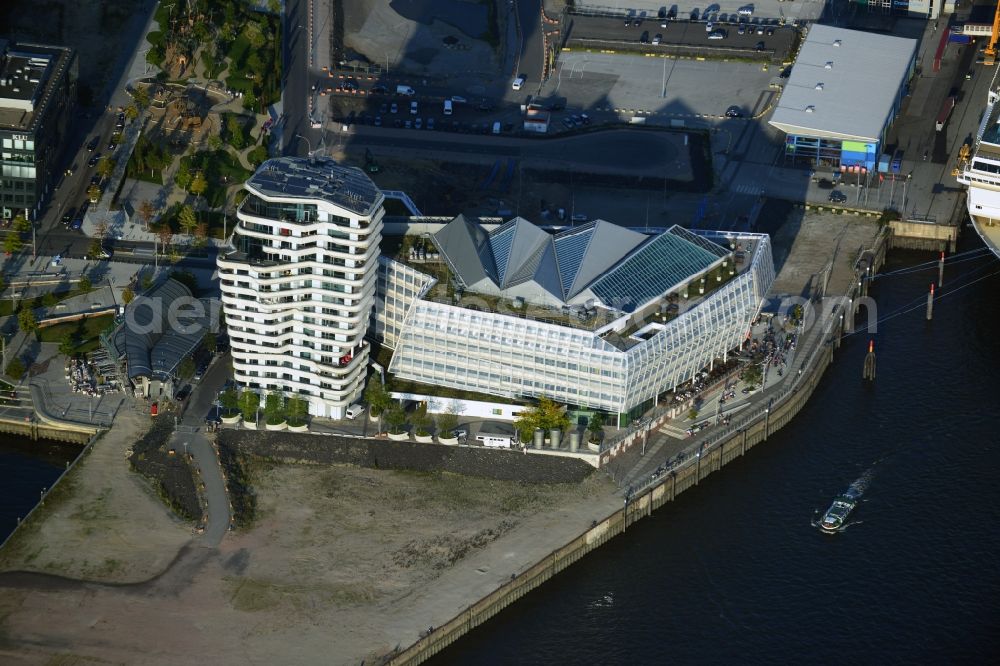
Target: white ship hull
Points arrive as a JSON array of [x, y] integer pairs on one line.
[[981, 174]]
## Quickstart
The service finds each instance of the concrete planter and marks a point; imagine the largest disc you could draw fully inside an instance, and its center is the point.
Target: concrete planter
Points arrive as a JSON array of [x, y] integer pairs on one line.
[[596, 448], [299, 428], [277, 426], [250, 425], [231, 420], [449, 441], [401, 437], [373, 418], [424, 439]]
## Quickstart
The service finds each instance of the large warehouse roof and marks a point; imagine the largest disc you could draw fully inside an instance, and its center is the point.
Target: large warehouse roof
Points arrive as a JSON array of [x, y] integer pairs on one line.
[[843, 84]]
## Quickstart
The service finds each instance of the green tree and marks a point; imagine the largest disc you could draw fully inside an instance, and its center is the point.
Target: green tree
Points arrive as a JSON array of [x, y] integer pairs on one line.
[[127, 295], [183, 175], [423, 423], [446, 423], [210, 342], [395, 417], [12, 243], [187, 220], [3, 283], [26, 320], [257, 156], [230, 400], [692, 413], [254, 35], [234, 132], [296, 408], [376, 396], [131, 112], [249, 402], [95, 249], [752, 375], [186, 368], [546, 415], [105, 167], [596, 427], [94, 193], [255, 64], [274, 408], [215, 142], [67, 344], [85, 285], [141, 96], [147, 282], [250, 101], [49, 299], [199, 185], [21, 224], [16, 369]]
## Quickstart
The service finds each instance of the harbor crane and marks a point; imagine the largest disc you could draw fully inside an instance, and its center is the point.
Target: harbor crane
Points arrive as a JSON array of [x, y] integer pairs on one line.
[[990, 54]]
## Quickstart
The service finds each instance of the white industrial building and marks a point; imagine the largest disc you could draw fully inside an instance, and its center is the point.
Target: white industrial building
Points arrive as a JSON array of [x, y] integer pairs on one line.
[[298, 283], [597, 316]]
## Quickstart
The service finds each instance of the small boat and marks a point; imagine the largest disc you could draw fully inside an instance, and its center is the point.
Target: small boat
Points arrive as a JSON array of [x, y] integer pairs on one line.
[[835, 516]]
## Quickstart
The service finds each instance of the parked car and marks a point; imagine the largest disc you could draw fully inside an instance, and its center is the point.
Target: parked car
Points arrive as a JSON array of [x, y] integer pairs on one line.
[[94, 159], [378, 121], [183, 394], [92, 146], [734, 112], [430, 123], [718, 34], [418, 123], [458, 99], [657, 39], [644, 39], [394, 108], [518, 82], [838, 197], [413, 108], [68, 217]]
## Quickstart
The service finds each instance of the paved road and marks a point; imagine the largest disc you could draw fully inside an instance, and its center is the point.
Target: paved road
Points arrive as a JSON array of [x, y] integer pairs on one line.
[[295, 95], [190, 436], [531, 60]]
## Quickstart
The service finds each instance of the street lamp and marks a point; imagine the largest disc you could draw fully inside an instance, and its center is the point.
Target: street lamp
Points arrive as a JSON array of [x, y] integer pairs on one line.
[[308, 143]]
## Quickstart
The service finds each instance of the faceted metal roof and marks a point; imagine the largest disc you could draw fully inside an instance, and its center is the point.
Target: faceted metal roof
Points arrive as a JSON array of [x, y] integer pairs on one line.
[[619, 266], [162, 327], [317, 178]]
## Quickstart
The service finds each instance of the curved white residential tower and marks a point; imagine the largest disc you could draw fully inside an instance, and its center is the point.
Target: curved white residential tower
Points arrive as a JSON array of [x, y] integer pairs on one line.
[[298, 283]]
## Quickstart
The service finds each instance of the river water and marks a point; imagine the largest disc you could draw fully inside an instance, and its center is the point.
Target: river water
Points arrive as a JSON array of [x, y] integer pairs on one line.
[[26, 467], [734, 572]]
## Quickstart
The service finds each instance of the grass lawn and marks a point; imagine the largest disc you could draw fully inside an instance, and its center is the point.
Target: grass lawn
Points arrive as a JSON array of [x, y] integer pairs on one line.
[[86, 331]]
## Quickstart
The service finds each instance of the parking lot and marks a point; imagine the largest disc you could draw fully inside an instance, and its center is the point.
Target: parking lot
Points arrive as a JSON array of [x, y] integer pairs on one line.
[[660, 86]]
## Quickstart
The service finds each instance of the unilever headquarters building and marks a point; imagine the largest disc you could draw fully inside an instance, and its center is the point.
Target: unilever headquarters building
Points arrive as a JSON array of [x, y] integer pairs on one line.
[[596, 316]]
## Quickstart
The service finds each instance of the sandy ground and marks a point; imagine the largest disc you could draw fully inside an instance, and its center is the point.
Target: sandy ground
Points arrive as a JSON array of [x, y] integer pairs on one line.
[[342, 565], [102, 522]]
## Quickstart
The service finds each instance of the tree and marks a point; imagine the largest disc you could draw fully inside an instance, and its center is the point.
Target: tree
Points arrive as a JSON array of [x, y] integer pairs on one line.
[[166, 238], [395, 417], [3, 283], [26, 320], [67, 344], [215, 142], [21, 224], [105, 167], [257, 156], [423, 422], [141, 96], [234, 132], [596, 427], [230, 400], [255, 64], [249, 402], [147, 282], [376, 396], [187, 220], [127, 295], [85, 285], [198, 185], [183, 175], [94, 193], [296, 408], [752, 375], [131, 112], [186, 368], [146, 212], [446, 423], [274, 408], [201, 234], [12, 243], [250, 101], [547, 415], [210, 342], [49, 299], [16, 369], [96, 247]]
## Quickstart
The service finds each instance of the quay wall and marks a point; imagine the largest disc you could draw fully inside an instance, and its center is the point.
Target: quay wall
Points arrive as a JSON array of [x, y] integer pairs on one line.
[[36, 430], [665, 489]]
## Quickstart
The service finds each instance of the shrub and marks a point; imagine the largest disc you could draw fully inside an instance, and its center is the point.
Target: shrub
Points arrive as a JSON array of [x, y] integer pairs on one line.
[[16, 369]]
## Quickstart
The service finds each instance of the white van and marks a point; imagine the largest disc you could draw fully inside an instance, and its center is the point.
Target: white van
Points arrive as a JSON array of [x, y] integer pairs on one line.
[[746, 10], [405, 90], [496, 127], [354, 411], [447, 107]]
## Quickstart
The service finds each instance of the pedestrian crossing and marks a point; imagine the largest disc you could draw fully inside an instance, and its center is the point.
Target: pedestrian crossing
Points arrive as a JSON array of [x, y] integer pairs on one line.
[[749, 188]]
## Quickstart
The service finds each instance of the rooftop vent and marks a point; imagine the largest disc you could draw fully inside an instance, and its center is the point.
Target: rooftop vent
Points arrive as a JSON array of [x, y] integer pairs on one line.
[[819, 86], [829, 65], [810, 109], [836, 42]]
